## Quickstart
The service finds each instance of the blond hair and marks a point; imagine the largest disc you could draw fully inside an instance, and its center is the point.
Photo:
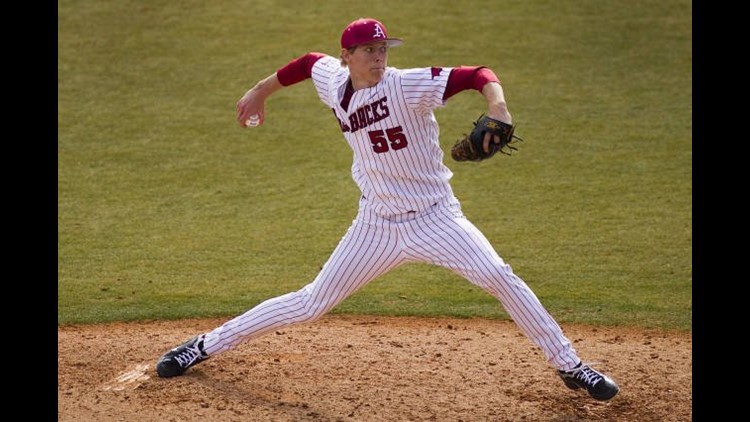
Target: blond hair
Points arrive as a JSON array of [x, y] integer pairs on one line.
[[341, 56]]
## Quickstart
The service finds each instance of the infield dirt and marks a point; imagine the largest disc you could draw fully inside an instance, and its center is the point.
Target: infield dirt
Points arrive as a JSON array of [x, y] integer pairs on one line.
[[347, 368]]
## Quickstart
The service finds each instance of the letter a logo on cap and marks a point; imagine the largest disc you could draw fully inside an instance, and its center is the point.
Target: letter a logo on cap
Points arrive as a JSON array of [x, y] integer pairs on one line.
[[365, 30], [378, 32]]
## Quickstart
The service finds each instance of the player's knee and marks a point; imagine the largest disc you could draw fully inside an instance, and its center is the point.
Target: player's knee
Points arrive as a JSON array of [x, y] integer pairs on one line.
[[313, 307]]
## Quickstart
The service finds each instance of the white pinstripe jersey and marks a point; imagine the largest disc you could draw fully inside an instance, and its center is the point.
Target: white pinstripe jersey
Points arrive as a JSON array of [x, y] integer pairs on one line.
[[391, 128]]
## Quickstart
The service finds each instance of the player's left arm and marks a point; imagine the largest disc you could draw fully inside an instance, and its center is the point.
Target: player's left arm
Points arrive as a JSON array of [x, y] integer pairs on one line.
[[497, 108], [484, 80]]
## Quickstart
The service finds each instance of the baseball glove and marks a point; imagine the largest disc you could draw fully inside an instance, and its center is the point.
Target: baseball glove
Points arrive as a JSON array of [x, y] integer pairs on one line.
[[470, 148]]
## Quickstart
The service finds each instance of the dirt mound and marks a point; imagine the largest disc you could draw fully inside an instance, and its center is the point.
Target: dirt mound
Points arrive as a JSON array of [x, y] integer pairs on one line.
[[344, 368]]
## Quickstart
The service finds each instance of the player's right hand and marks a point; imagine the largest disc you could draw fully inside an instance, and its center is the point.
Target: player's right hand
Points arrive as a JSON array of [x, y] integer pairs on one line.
[[250, 104]]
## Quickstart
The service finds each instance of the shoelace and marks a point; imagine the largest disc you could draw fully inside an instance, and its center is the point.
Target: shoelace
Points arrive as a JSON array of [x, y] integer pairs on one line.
[[587, 375], [188, 356]]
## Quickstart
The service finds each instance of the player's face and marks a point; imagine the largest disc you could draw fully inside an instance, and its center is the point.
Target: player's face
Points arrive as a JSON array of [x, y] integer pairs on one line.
[[367, 63]]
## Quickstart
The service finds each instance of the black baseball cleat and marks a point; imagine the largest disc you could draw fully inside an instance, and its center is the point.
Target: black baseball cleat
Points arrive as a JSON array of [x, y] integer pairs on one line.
[[599, 386], [176, 361]]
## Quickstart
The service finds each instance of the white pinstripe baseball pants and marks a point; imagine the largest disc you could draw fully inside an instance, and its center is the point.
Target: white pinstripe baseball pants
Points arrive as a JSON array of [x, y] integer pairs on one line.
[[374, 245]]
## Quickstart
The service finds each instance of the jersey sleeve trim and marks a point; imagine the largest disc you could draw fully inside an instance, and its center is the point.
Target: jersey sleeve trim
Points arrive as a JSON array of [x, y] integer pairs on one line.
[[298, 69], [468, 77]]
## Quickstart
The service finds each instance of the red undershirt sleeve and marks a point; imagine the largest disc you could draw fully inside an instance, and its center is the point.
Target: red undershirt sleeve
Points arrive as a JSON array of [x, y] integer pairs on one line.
[[468, 77], [298, 69]]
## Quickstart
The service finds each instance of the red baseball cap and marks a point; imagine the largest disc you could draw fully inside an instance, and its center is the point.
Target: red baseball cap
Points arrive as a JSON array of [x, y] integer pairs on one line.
[[365, 30]]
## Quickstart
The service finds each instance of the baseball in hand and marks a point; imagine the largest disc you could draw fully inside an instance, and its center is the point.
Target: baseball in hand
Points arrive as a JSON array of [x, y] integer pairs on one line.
[[252, 121]]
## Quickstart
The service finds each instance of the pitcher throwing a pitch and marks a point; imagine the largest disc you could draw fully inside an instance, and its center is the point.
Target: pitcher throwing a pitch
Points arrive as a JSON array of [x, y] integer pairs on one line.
[[407, 212]]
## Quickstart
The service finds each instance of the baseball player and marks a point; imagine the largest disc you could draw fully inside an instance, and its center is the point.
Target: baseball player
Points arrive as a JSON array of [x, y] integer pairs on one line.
[[407, 212]]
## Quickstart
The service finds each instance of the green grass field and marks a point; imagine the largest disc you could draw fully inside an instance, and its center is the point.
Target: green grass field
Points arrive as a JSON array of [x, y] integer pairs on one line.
[[168, 209]]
